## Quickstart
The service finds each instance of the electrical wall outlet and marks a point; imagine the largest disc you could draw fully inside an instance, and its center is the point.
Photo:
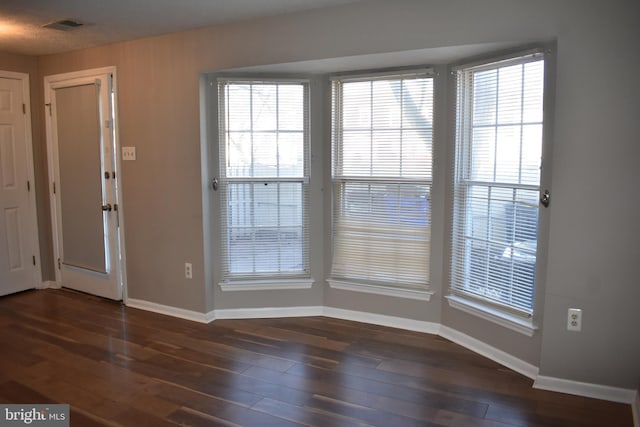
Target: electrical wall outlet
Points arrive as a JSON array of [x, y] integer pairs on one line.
[[188, 270], [574, 319]]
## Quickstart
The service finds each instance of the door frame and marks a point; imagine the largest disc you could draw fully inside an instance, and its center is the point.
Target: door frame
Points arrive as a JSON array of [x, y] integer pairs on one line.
[[56, 79], [33, 207]]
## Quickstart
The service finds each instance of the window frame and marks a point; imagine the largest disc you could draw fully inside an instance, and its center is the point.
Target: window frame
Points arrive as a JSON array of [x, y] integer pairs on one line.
[[509, 317], [269, 280], [398, 289]]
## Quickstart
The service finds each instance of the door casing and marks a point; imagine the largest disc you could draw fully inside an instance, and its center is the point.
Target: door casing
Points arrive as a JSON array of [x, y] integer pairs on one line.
[[68, 80]]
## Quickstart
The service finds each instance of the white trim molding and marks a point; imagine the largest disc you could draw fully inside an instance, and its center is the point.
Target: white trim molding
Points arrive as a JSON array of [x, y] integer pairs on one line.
[[168, 310], [336, 313], [382, 320], [49, 284], [268, 312], [515, 323], [43, 284], [490, 352], [266, 285], [392, 291], [595, 391]]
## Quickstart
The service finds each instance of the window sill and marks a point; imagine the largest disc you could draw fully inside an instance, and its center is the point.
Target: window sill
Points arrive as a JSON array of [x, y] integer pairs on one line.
[[513, 322], [266, 285], [416, 294]]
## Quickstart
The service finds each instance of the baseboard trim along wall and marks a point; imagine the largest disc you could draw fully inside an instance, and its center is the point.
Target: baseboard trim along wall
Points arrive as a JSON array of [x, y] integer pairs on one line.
[[267, 312], [168, 310], [382, 320], [337, 313], [498, 356], [49, 284], [596, 391], [540, 382]]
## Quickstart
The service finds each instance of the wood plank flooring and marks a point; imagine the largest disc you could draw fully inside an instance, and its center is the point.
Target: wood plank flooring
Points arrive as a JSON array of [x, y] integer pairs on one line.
[[120, 366]]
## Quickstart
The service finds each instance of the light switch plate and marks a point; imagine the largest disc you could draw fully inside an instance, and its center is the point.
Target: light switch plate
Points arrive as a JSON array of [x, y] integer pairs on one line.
[[128, 153]]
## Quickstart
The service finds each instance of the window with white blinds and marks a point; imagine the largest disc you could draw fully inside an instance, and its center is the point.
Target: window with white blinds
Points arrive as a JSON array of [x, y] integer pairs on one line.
[[264, 178], [497, 182], [382, 130]]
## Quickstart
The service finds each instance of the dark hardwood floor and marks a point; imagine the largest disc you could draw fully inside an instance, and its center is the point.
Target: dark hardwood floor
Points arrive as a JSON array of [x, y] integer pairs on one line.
[[120, 366]]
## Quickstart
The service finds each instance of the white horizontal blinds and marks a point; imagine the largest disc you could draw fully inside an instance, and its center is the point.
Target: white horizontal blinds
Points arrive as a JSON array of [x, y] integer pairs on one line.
[[382, 150], [264, 178], [497, 179]]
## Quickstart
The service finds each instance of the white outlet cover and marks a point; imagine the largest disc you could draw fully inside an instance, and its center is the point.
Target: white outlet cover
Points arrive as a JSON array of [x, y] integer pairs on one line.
[[128, 153], [574, 319]]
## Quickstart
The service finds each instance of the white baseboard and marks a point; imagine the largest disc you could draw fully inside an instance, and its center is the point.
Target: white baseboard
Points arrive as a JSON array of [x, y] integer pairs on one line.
[[49, 284], [635, 407], [273, 312], [268, 312], [382, 320], [168, 310], [499, 356], [596, 391]]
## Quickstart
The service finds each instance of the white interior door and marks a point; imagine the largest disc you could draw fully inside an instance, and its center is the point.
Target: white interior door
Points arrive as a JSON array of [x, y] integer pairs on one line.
[[82, 147], [18, 232]]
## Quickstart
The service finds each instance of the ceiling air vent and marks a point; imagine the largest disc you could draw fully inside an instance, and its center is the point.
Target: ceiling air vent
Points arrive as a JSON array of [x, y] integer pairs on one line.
[[63, 25]]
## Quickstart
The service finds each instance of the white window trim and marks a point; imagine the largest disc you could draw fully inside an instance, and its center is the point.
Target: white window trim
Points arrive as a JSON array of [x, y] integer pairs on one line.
[[268, 281], [398, 292], [516, 323], [490, 312], [266, 284]]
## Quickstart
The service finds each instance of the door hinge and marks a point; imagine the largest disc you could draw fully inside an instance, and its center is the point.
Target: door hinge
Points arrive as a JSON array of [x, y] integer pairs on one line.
[[24, 108], [59, 264], [34, 260], [48, 105], [54, 187], [28, 186]]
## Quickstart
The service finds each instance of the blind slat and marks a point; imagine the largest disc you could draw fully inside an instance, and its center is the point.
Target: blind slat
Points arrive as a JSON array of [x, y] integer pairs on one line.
[[497, 179], [264, 178], [381, 165]]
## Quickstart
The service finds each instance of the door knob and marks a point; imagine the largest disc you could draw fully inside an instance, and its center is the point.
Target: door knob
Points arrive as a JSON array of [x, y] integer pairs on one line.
[[107, 207]]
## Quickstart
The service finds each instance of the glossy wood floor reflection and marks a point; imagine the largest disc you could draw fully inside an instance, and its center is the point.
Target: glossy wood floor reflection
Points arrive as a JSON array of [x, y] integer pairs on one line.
[[121, 366]]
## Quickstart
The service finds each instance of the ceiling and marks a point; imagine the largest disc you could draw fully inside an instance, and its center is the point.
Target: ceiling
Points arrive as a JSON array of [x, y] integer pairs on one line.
[[109, 21]]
